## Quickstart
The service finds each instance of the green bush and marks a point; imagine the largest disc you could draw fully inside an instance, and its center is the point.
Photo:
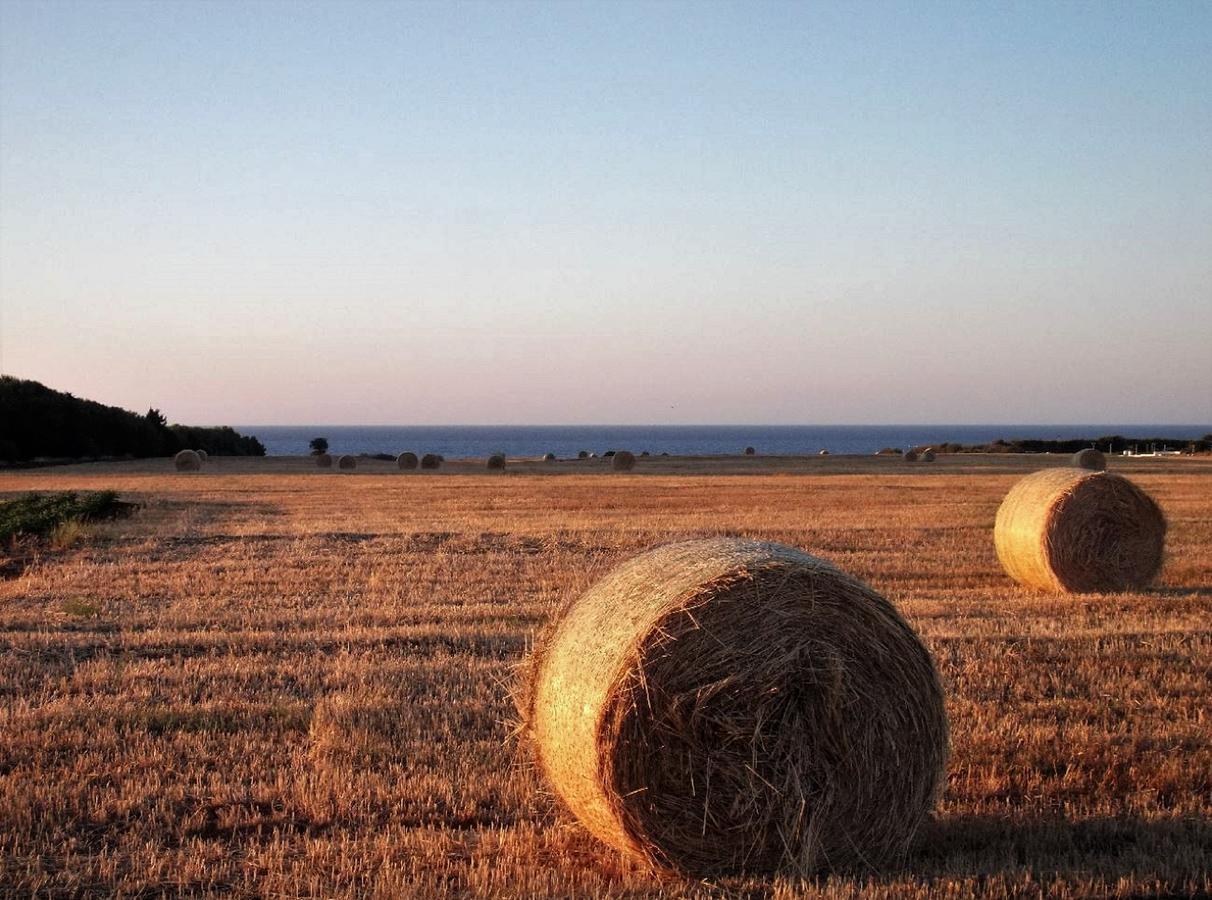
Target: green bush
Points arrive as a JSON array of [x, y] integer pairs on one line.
[[38, 515]]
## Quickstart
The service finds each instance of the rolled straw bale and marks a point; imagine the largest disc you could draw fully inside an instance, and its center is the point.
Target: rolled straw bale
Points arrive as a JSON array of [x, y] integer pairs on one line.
[[910, 456], [623, 461], [323, 460], [1074, 530], [728, 705], [203, 455], [431, 461], [407, 460], [583, 454], [347, 462], [750, 451], [928, 455], [187, 461], [549, 457], [823, 452], [1091, 459], [496, 462]]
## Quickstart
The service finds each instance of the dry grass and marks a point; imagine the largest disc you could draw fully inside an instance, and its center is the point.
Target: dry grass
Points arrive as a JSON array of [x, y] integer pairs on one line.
[[270, 682]]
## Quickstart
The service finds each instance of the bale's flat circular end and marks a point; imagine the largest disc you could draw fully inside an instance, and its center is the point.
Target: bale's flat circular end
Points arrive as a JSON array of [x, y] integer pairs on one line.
[[927, 455], [1075, 530], [187, 461], [1091, 459], [623, 461], [323, 460], [407, 460], [347, 462], [727, 706]]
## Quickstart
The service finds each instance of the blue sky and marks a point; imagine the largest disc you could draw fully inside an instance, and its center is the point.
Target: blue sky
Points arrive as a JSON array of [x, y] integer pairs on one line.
[[581, 213]]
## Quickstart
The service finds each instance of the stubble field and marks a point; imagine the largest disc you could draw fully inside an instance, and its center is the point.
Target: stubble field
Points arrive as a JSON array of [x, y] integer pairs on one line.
[[275, 681]]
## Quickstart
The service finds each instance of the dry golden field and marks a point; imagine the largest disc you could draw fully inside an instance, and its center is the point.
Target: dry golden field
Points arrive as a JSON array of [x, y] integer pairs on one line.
[[277, 681]]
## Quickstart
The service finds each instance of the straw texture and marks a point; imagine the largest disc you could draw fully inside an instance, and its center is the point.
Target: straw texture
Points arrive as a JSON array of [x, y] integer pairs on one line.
[[187, 461], [728, 705], [1074, 530], [1091, 459]]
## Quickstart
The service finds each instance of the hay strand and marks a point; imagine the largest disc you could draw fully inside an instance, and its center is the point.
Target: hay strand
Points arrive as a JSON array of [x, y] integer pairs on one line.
[[728, 705], [187, 461], [1073, 530]]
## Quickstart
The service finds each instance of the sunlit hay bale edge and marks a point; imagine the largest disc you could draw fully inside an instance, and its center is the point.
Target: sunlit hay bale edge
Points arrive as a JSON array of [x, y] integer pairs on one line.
[[1074, 530], [728, 705], [187, 461], [1090, 458]]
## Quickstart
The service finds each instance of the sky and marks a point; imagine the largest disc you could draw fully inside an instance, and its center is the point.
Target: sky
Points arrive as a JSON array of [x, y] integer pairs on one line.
[[648, 213]]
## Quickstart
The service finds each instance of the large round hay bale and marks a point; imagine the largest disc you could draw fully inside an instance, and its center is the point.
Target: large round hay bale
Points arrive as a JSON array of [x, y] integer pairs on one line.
[[1091, 459], [431, 461], [1073, 530], [549, 457], [623, 461], [347, 462], [407, 460], [727, 705], [750, 451], [823, 452], [910, 456], [203, 455], [582, 454], [928, 455], [187, 461], [323, 460], [496, 462]]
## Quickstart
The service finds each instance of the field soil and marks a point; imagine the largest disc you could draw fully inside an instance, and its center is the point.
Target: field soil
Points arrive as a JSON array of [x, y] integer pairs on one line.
[[280, 681]]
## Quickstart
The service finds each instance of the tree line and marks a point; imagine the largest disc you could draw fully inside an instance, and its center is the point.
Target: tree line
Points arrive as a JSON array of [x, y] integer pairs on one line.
[[39, 422]]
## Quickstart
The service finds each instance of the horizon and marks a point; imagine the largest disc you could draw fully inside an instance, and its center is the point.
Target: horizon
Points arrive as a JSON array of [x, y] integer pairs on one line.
[[672, 213]]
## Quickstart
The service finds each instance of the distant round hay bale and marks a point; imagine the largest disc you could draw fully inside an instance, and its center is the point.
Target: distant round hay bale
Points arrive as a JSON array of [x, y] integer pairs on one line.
[[645, 453], [323, 460], [431, 461], [727, 705], [888, 451], [823, 452], [1091, 459], [549, 457], [750, 451], [187, 461], [496, 462], [203, 455], [593, 455], [347, 462], [623, 461], [928, 455], [1073, 530], [910, 456], [407, 460], [583, 454]]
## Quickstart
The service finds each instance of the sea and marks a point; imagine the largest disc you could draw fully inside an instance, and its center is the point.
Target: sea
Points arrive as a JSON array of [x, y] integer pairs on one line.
[[459, 441]]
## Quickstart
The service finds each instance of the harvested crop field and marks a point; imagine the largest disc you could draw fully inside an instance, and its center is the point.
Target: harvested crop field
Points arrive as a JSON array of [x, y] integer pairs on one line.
[[280, 680]]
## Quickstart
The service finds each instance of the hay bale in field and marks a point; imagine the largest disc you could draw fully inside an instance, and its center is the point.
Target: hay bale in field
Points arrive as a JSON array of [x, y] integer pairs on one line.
[[623, 461], [323, 460], [496, 462], [910, 456], [431, 461], [203, 455], [583, 454], [750, 451], [347, 462], [1079, 531], [728, 705], [549, 457], [645, 453], [928, 455], [823, 452], [1091, 459], [407, 460], [187, 461], [888, 451]]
